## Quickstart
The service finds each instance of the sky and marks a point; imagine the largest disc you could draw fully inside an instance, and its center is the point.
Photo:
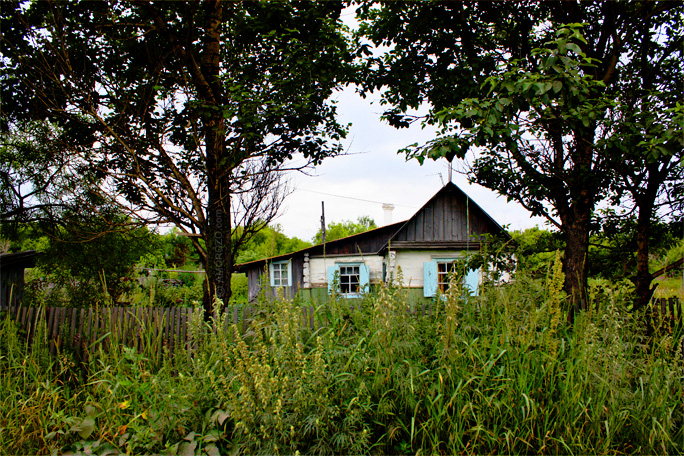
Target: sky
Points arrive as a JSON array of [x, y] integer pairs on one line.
[[372, 173]]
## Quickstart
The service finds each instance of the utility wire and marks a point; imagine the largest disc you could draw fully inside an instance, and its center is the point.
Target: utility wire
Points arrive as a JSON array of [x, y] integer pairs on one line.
[[352, 198]]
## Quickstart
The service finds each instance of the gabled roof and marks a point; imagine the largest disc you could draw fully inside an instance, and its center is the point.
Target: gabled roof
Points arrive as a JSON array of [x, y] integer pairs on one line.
[[369, 242], [450, 219]]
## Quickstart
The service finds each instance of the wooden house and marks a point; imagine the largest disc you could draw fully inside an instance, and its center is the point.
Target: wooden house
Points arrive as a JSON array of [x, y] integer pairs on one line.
[[449, 226], [12, 267]]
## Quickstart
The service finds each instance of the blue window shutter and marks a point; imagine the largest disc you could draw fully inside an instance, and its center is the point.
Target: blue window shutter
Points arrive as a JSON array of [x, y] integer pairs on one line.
[[364, 278], [289, 273], [270, 273], [472, 280], [430, 279], [331, 277]]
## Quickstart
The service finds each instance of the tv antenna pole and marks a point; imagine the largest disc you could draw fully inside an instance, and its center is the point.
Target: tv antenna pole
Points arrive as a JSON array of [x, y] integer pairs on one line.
[[323, 222]]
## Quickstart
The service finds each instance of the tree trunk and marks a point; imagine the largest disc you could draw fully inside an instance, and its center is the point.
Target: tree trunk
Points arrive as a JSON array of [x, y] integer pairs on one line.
[[219, 255], [218, 232], [575, 264], [643, 278], [575, 206], [645, 202]]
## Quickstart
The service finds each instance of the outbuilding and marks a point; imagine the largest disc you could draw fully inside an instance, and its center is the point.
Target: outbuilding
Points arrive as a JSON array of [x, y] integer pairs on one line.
[[12, 267]]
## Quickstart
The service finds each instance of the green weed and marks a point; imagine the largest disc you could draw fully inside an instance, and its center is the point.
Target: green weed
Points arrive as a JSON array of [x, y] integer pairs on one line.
[[503, 372]]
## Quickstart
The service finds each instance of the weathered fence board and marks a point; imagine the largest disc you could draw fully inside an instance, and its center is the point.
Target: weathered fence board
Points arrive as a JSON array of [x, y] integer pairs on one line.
[[85, 330], [667, 309]]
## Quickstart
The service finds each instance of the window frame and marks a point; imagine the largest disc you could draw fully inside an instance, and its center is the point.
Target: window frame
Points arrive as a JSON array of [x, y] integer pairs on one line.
[[287, 282], [432, 274], [443, 276], [334, 272]]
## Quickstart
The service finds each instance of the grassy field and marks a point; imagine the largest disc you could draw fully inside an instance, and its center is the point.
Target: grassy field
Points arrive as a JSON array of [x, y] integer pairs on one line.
[[500, 373], [670, 287]]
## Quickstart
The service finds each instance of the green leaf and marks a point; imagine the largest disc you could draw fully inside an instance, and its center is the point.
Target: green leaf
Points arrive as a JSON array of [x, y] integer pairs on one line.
[[219, 416], [85, 428], [573, 47], [212, 450], [187, 448], [212, 436]]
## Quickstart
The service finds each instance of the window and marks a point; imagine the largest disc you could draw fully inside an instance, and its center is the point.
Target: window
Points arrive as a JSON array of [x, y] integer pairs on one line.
[[436, 277], [444, 268], [349, 279], [281, 273], [352, 279]]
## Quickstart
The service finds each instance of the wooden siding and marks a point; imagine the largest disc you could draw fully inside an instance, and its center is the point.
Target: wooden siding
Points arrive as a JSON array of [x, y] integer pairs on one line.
[[257, 277], [370, 242], [448, 220]]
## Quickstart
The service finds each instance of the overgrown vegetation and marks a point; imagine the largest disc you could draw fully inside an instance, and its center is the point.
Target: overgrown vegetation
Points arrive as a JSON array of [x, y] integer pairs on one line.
[[106, 263], [499, 373]]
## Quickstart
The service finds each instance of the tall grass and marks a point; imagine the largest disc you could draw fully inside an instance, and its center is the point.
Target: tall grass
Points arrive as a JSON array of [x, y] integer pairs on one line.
[[498, 373]]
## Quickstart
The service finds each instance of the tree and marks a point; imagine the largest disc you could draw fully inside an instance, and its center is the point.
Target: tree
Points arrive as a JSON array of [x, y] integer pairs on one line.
[[648, 143], [269, 242], [536, 96], [346, 228], [536, 250], [615, 249], [86, 258], [186, 110], [40, 180]]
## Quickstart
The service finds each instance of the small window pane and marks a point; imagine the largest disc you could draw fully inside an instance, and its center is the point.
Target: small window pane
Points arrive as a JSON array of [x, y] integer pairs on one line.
[[444, 269], [349, 279], [280, 274]]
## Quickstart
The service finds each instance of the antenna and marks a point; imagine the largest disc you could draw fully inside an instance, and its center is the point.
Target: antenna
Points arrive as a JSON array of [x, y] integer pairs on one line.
[[323, 221]]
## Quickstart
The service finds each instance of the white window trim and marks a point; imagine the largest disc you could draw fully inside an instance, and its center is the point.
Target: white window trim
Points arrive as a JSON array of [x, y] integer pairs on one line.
[[364, 278], [271, 270]]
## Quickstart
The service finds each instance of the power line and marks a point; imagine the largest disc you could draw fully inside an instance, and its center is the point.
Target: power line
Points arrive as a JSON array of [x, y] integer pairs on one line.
[[352, 198]]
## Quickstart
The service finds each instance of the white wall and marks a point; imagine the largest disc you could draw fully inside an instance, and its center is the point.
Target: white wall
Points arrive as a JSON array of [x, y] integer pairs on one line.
[[411, 263], [318, 267]]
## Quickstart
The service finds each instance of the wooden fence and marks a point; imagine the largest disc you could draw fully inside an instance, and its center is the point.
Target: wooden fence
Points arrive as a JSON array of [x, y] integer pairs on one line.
[[156, 328], [666, 309], [83, 330]]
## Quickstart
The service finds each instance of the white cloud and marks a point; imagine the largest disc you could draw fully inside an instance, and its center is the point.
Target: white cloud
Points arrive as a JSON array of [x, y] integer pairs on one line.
[[373, 171]]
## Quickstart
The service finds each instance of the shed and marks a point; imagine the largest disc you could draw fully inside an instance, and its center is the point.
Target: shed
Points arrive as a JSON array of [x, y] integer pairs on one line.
[[12, 267]]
